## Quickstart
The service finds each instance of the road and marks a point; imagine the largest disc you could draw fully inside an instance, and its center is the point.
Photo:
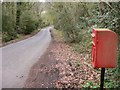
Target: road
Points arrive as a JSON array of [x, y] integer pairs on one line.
[[18, 58]]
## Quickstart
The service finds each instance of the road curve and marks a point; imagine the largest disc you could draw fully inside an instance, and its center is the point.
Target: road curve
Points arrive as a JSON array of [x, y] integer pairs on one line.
[[18, 58]]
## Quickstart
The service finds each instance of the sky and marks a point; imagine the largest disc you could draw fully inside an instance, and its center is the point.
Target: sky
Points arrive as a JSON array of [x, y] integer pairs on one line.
[[41, 0]]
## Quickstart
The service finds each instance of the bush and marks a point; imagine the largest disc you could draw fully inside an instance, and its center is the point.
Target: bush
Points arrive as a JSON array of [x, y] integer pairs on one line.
[[8, 28], [28, 24], [118, 58]]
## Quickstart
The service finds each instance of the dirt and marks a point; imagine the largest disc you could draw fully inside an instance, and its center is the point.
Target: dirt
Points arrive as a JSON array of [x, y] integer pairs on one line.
[[43, 74]]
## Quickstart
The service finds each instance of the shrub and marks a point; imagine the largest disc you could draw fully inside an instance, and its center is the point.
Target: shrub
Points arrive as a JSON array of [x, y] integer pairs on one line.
[[28, 24], [8, 28]]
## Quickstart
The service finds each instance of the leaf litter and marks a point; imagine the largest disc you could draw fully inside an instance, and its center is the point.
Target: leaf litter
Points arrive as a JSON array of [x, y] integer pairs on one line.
[[61, 67]]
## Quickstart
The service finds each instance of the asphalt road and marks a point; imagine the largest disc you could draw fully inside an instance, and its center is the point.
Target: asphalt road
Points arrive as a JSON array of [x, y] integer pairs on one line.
[[18, 58]]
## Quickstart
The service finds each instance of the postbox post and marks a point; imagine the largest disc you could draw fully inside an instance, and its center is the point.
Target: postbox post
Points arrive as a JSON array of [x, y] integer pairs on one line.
[[102, 78]]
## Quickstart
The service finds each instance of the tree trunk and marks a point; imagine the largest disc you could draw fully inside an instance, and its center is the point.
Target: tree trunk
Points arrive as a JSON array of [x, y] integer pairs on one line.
[[18, 13]]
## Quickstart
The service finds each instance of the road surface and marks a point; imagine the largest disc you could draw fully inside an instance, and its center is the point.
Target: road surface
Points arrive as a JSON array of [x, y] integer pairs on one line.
[[18, 58]]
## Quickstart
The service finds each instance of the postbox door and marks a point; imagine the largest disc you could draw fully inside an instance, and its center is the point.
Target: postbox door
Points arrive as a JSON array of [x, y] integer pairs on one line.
[[94, 47]]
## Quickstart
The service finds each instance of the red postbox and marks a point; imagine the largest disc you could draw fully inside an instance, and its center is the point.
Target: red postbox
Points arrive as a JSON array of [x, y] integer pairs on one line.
[[104, 48]]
